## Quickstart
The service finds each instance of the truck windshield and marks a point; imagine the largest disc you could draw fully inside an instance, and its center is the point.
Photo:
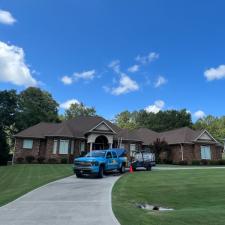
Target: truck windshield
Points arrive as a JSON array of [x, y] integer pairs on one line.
[[96, 154]]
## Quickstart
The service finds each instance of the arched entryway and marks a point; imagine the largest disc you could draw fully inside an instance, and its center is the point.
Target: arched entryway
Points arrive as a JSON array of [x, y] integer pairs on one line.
[[101, 142]]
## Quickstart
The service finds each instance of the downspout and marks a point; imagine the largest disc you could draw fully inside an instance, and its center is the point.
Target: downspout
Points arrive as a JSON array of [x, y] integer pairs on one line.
[[14, 153], [182, 152]]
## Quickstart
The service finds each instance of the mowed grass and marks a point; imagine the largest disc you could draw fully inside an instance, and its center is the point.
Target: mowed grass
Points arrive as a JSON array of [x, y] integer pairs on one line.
[[20, 179], [198, 197]]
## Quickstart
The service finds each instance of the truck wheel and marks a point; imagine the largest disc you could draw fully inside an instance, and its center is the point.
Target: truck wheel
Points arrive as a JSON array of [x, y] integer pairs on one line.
[[148, 168], [101, 172], [122, 169], [79, 175]]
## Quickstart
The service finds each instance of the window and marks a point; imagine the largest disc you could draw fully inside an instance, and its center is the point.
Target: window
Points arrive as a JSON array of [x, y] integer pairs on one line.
[[28, 143], [82, 146], [114, 155], [205, 152], [55, 145], [122, 145], [132, 149], [109, 155], [64, 147]]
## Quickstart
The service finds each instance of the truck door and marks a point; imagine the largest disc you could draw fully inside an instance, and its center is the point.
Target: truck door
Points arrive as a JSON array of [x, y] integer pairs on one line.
[[115, 160], [109, 161]]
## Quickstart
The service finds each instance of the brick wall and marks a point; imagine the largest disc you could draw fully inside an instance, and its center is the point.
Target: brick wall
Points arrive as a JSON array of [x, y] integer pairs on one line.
[[22, 152]]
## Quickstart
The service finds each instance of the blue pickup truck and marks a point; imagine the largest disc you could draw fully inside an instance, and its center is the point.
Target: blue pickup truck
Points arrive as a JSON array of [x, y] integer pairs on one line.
[[100, 161]]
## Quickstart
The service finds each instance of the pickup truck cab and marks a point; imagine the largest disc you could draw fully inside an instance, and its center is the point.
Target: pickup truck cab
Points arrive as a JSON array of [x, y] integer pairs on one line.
[[100, 161]]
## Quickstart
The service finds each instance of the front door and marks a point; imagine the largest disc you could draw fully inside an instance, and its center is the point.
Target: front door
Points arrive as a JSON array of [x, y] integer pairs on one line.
[[109, 161]]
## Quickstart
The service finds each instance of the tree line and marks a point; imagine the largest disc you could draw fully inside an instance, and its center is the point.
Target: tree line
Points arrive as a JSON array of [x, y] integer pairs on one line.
[[19, 111]]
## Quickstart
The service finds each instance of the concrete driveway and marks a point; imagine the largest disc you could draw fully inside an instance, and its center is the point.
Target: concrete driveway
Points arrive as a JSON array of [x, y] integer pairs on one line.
[[68, 201]]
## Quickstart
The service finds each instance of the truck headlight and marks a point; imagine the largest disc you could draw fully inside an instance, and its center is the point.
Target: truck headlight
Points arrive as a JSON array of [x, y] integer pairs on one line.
[[94, 163]]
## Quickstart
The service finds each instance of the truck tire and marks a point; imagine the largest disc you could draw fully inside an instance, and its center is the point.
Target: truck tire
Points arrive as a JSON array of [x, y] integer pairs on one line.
[[101, 171], [122, 169], [79, 175], [149, 168]]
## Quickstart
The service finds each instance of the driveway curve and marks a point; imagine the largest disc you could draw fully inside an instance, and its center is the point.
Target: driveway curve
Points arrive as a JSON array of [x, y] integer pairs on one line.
[[68, 201]]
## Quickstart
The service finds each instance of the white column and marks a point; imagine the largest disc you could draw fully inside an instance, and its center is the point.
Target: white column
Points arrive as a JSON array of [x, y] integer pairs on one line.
[[110, 145], [182, 152], [91, 148]]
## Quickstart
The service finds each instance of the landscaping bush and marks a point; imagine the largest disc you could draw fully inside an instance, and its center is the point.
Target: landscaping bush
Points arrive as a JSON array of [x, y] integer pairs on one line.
[[183, 163], [167, 161], [20, 160], [30, 159], [204, 162], [221, 162], [41, 159], [196, 162], [52, 161], [64, 160], [213, 162]]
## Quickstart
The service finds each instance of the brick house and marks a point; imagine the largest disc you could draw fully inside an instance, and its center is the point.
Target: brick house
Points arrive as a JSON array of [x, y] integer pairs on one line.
[[75, 137]]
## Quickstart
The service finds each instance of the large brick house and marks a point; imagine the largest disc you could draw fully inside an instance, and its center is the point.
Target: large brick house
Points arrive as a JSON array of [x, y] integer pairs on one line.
[[73, 138]]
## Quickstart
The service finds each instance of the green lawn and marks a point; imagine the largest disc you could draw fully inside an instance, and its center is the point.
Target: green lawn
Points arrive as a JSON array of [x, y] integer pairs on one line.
[[198, 197], [20, 179]]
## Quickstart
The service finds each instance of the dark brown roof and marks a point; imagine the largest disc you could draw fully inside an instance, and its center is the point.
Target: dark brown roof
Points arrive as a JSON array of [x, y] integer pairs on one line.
[[77, 127], [146, 135], [180, 135], [39, 130], [80, 126]]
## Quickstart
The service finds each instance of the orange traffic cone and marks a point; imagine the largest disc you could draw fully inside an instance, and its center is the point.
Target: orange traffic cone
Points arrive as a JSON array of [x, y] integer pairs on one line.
[[131, 169]]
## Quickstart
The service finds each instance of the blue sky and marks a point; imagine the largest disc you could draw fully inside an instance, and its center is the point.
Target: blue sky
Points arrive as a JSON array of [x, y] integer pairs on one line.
[[117, 55]]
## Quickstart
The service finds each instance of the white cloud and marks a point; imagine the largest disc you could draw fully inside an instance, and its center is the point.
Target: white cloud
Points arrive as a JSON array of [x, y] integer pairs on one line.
[[13, 68], [199, 114], [86, 75], [6, 18], [156, 107], [126, 85], [133, 68], [67, 80], [215, 73], [67, 104], [147, 58], [115, 66], [160, 81]]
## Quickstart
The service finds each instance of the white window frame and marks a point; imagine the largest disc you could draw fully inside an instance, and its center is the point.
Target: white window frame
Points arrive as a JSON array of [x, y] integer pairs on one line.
[[27, 143], [55, 146], [82, 146], [206, 155], [132, 149], [64, 147], [122, 145]]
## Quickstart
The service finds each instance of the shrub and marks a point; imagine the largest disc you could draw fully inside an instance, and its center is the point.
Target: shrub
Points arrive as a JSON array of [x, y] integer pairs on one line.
[[195, 162], [183, 163], [20, 160], [213, 162], [204, 162], [221, 162], [30, 159], [52, 160], [64, 160], [41, 159], [167, 161]]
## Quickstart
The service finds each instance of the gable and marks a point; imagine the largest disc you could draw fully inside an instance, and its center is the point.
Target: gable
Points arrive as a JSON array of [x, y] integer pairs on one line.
[[103, 127], [205, 136]]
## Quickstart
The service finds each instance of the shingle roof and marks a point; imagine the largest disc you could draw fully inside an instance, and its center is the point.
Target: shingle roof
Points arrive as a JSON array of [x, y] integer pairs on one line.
[[77, 127], [180, 135], [82, 125]]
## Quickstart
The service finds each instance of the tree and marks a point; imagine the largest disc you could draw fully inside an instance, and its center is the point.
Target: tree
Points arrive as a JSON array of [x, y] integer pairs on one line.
[[126, 119], [161, 121], [159, 147], [76, 110], [36, 106], [215, 125], [8, 112]]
